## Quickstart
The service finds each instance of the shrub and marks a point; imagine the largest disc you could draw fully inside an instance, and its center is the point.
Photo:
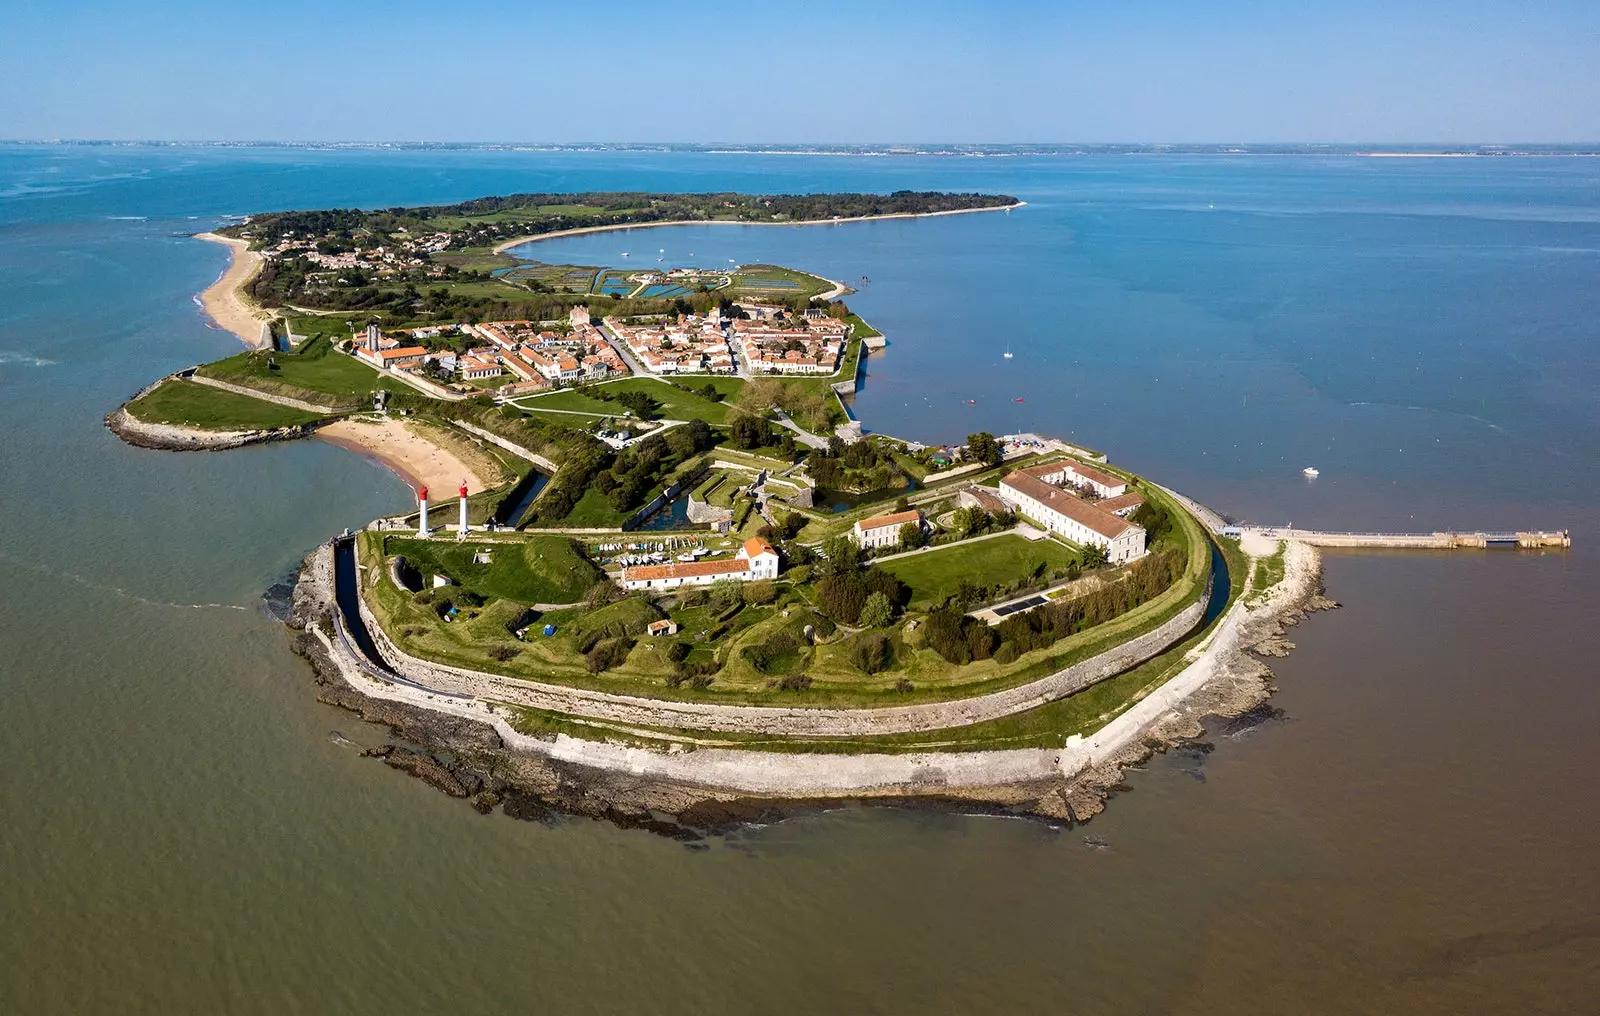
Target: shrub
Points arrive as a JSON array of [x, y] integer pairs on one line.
[[958, 638], [794, 682], [800, 574], [1007, 653], [423, 597], [703, 681], [762, 591], [607, 654], [871, 652], [904, 686], [676, 652], [503, 653], [880, 581]]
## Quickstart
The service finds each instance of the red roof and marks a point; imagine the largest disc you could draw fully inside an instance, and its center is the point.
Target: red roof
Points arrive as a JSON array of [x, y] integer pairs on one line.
[[1074, 508], [756, 545], [683, 570], [897, 520]]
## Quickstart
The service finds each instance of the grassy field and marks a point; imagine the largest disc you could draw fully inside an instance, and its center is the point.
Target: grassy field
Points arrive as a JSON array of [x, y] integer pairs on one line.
[[1269, 572], [544, 569], [771, 281], [675, 403], [315, 373], [187, 404], [937, 574]]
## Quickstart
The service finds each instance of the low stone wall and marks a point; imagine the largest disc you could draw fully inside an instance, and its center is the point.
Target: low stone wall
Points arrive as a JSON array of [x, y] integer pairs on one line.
[[281, 400], [794, 721], [510, 446]]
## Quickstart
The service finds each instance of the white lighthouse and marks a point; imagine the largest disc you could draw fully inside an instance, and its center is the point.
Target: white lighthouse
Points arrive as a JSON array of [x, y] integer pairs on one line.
[[461, 530], [422, 504]]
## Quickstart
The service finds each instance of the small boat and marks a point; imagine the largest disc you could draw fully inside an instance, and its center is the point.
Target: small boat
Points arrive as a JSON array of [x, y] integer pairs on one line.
[[972, 402], [1006, 354], [1311, 471], [1018, 399], [624, 253]]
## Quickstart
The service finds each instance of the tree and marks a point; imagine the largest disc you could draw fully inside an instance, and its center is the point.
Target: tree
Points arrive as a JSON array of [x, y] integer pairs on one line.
[[841, 597], [876, 612], [912, 536], [760, 591], [726, 592], [841, 553], [982, 447], [1094, 556]]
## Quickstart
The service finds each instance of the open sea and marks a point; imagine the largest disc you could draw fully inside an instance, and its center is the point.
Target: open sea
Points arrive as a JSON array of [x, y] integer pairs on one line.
[[180, 831]]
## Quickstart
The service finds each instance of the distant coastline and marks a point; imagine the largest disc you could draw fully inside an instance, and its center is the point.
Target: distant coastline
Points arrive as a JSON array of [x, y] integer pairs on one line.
[[515, 241]]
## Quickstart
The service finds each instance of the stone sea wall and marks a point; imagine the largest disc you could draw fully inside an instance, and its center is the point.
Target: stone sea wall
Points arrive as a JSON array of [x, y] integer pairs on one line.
[[781, 720]]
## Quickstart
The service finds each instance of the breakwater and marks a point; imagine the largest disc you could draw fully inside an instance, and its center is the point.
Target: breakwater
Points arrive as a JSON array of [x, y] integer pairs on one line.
[[1525, 539]]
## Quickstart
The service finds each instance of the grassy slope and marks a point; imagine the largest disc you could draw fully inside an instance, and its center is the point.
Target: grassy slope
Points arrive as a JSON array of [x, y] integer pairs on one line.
[[187, 404], [675, 404], [938, 573], [316, 373], [545, 569]]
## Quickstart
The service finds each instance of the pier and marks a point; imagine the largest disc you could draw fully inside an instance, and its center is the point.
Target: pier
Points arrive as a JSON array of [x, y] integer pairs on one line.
[[1525, 539]]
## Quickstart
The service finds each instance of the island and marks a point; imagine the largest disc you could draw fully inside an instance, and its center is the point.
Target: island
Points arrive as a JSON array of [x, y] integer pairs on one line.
[[656, 570]]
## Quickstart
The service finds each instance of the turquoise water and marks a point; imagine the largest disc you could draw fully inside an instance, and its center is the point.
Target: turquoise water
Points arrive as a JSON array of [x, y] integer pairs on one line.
[[182, 834]]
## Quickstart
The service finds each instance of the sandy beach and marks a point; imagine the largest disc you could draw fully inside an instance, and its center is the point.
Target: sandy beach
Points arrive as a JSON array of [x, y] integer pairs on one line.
[[507, 244], [417, 460], [223, 300]]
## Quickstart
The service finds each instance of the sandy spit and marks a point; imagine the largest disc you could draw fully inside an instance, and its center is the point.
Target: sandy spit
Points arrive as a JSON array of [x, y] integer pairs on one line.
[[225, 301]]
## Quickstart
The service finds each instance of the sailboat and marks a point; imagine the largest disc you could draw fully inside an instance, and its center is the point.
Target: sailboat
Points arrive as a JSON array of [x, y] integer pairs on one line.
[[1311, 471], [1007, 353]]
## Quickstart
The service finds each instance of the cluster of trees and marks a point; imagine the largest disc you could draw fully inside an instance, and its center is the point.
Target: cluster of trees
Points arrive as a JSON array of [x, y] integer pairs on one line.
[[810, 407], [847, 594], [626, 477], [982, 447], [518, 214], [959, 641], [975, 521], [959, 638], [857, 468], [748, 431]]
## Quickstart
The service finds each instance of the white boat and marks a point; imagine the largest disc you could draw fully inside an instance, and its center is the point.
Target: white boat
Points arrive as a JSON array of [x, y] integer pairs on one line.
[[624, 253], [1311, 471]]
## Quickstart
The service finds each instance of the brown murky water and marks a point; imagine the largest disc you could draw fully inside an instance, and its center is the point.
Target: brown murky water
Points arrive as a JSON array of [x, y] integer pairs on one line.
[[180, 833]]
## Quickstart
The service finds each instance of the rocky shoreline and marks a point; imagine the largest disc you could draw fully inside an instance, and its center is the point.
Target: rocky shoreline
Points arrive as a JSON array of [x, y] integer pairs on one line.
[[470, 759], [167, 437]]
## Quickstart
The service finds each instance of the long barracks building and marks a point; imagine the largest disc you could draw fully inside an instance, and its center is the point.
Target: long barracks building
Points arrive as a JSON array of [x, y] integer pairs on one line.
[[1080, 521]]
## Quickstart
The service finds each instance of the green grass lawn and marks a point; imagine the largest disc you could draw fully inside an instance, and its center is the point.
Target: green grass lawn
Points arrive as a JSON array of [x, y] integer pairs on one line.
[[939, 573], [187, 404], [592, 511], [675, 403], [315, 373], [759, 281], [544, 569]]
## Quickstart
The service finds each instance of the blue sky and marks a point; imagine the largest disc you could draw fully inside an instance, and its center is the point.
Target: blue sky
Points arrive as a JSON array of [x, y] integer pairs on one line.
[[1097, 70]]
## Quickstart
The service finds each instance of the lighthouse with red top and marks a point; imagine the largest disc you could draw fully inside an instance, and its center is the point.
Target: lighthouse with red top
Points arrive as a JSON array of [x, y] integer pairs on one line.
[[461, 530], [422, 506]]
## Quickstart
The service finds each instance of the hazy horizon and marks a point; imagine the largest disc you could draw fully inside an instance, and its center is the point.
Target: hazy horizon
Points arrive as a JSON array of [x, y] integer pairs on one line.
[[1169, 71]]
